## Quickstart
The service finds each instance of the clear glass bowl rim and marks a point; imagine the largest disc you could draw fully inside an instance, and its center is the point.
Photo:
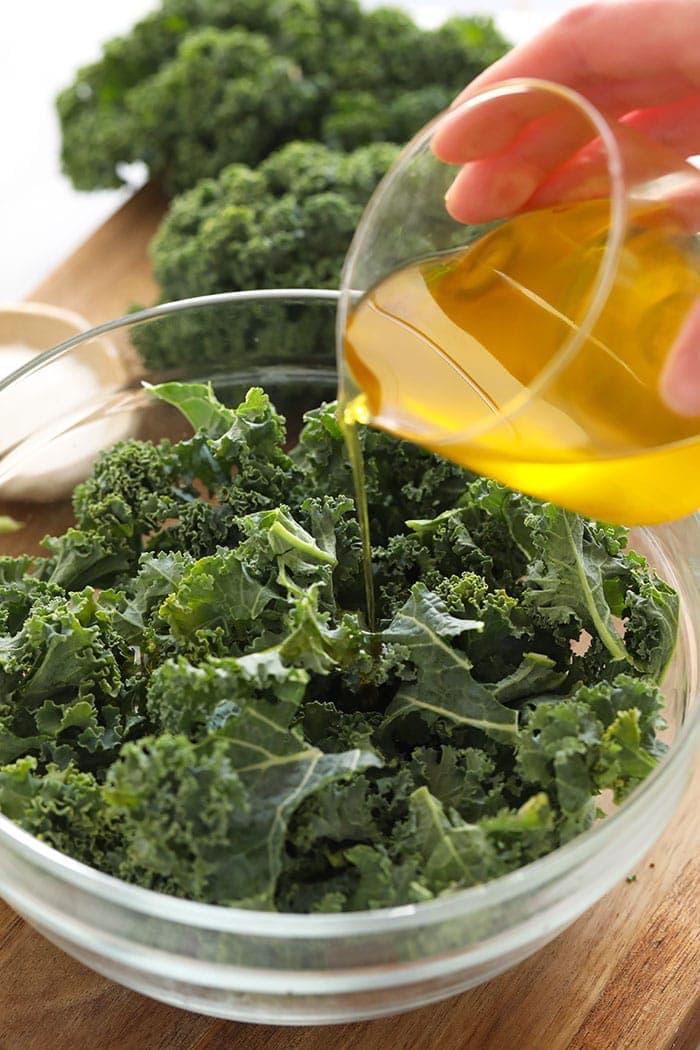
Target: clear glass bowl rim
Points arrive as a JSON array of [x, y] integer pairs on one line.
[[281, 925]]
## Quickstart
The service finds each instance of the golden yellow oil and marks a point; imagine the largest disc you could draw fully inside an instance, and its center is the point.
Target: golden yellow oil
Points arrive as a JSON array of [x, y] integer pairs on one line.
[[443, 351], [352, 444]]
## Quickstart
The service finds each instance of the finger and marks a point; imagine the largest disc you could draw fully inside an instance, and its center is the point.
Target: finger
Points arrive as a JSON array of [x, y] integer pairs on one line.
[[484, 191], [680, 379], [540, 171], [494, 125], [586, 174], [600, 48], [489, 125], [676, 124], [653, 171], [501, 184]]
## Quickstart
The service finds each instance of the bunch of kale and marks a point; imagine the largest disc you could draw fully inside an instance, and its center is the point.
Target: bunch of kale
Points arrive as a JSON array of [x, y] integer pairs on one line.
[[200, 84], [192, 700], [214, 96], [287, 224]]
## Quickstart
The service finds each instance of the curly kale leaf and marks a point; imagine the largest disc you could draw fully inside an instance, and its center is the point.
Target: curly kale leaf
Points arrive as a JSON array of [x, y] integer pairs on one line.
[[177, 803], [315, 643], [359, 117], [133, 488], [402, 480], [507, 632], [437, 549], [197, 699], [600, 737], [132, 480], [429, 852], [239, 448], [274, 588], [95, 556], [651, 612], [143, 496], [209, 819], [235, 97], [63, 807], [134, 606], [20, 588], [444, 688], [275, 538], [65, 679], [565, 581], [462, 779], [455, 853], [580, 578], [215, 605], [332, 522]]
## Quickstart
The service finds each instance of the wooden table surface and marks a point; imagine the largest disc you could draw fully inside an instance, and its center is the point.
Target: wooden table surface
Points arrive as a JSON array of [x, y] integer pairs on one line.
[[626, 976]]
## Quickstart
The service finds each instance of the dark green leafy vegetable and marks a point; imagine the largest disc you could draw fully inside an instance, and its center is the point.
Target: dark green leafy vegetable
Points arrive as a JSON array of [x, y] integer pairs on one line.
[[191, 699], [247, 110], [424, 627], [200, 84], [287, 224]]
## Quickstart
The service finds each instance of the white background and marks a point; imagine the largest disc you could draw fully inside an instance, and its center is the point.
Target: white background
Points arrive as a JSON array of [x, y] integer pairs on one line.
[[42, 43]]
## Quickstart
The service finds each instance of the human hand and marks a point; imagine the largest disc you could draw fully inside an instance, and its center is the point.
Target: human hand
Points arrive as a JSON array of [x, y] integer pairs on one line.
[[638, 63]]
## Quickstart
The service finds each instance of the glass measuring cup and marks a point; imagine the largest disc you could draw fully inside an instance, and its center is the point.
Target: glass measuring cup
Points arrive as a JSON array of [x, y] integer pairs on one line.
[[530, 339]]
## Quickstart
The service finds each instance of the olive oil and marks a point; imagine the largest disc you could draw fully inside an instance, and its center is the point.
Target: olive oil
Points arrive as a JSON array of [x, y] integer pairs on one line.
[[452, 352], [352, 444]]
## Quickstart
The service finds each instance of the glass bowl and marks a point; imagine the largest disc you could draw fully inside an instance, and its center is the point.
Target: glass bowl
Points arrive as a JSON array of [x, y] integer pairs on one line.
[[260, 966]]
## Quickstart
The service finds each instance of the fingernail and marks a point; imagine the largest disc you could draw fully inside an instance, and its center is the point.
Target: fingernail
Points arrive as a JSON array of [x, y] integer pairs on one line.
[[454, 203]]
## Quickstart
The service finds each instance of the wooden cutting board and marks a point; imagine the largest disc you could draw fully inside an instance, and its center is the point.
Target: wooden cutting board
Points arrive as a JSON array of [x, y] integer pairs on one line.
[[626, 976]]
